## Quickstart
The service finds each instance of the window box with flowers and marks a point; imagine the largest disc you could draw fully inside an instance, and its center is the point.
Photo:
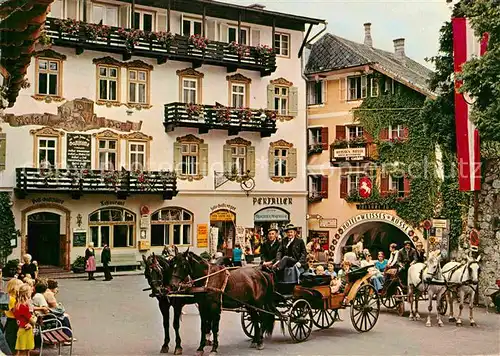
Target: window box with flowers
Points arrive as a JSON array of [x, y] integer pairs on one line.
[[198, 42], [262, 52], [314, 149], [195, 112], [131, 37], [240, 50], [165, 39]]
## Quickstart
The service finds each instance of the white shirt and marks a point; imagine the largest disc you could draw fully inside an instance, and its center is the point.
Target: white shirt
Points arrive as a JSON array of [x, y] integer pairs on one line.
[[289, 242], [39, 300], [394, 258]]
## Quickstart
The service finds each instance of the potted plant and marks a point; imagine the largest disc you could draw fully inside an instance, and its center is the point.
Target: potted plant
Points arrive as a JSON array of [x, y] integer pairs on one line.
[[78, 266], [9, 270]]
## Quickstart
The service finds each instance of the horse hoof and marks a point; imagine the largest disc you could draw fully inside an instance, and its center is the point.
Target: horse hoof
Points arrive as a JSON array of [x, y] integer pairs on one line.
[[411, 318], [452, 320], [164, 350], [473, 323], [440, 323], [459, 324], [253, 345], [260, 347], [428, 324], [178, 351]]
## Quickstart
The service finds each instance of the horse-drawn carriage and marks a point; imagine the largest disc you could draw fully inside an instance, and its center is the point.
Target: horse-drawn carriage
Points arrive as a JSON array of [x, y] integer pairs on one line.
[[303, 305]]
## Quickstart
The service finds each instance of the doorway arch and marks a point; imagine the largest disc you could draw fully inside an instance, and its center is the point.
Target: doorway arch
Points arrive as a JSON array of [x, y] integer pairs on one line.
[[225, 221], [46, 214]]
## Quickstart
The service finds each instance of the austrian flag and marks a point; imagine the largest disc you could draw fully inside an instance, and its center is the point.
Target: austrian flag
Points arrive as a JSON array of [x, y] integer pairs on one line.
[[465, 47]]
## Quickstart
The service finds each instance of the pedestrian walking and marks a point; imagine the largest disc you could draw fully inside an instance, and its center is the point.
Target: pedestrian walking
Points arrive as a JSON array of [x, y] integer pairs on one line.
[[237, 253], [90, 265], [106, 259]]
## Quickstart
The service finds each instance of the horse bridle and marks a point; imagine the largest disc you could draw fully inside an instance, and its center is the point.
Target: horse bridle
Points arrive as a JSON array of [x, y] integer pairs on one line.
[[156, 267]]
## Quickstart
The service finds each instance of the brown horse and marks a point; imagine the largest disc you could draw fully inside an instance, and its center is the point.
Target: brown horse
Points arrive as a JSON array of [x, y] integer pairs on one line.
[[249, 287]]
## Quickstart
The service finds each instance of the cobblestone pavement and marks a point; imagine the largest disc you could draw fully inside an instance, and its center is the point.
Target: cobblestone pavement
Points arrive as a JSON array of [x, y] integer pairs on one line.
[[117, 318]]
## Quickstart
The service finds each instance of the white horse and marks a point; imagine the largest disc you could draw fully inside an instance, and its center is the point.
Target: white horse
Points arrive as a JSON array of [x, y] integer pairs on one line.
[[420, 276], [462, 279]]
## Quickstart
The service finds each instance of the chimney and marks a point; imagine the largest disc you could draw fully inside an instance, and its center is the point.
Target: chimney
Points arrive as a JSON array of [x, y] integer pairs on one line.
[[399, 48], [368, 34]]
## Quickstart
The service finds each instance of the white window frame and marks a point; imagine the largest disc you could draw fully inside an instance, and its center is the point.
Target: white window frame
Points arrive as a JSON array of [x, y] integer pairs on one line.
[[359, 132], [374, 84], [236, 94], [279, 159], [45, 163], [135, 154], [48, 72], [239, 159], [363, 82], [312, 96], [281, 50], [191, 21], [170, 224], [195, 89], [106, 165], [315, 185], [109, 79], [400, 131], [278, 94], [137, 84], [315, 135], [244, 35], [141, 19], [400, 191], [392, 84], [105, 20], [193, 150], [350, 182]]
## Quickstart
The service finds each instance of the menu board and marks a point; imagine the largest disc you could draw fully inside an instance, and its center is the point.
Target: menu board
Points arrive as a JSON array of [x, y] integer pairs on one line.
[[79, 238], [78, 154]]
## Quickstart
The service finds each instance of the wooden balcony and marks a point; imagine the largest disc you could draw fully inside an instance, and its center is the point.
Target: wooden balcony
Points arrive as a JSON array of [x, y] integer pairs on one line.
[[215, 117], [347, 151], [79, 182], [162, 46]]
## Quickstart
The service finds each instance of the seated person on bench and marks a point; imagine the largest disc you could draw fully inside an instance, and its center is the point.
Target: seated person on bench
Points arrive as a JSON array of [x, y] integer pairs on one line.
[[292, 252]]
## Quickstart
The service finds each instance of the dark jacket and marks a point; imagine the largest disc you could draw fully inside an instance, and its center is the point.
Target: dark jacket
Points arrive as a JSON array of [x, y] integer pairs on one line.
[[89, 253], [296, 250], [29, 269], [106, 256], [407, 257], [420, 256], [269, 251]]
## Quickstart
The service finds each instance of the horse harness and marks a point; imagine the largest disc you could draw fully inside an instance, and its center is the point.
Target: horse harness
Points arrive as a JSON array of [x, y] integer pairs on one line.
[[468, 282]]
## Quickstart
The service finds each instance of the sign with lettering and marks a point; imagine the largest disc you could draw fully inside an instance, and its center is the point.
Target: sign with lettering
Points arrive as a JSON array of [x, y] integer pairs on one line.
[[112, 202], [202, 236], [78, 151], [79, 238], [440, 223], [322, 236], [222, 215], [328, 223], [350, 154], [272, 201], [223, 206], [379, 217], [47, 200], [271, 214]]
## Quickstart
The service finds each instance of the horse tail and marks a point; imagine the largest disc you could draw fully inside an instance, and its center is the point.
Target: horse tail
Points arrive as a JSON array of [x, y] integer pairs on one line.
[[269, 318]]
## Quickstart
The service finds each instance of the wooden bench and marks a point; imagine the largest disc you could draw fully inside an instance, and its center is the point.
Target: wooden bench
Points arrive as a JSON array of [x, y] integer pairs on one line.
[[119, 260], [53, 333]]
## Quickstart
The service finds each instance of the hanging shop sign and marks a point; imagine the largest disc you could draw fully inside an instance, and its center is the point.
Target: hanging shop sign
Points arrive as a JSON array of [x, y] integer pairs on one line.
[[350, 154], [440, 223], [271, 214], [202, 236], [78, 151], [377, 217], [222, 215], [272, 201], [365, 187]]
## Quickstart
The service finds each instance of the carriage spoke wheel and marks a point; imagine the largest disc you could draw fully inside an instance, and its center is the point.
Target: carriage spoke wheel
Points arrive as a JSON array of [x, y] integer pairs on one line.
[[247, 324], [443, 306], [388, 300], [323, 319], [300, 321], [400, 301], [365, 308]]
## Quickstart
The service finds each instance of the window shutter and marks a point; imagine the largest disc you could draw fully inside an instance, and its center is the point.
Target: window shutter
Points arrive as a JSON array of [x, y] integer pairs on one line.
[[384, 133], [270, 97], [293, 108], [324, 186], [343, 89], [384, 184], [324, 138], [161, 20], [71, 10], [211, 30], [340, 132], [223, 35], [125, 15], [324, 88], [203, 147], [251, 160], [292, 163], [177, 158], [255, 33], [227, 158], [3, 150], [406, 133], [368, 136], [310, 93], [271, 161], [407, 187], [343, 187]]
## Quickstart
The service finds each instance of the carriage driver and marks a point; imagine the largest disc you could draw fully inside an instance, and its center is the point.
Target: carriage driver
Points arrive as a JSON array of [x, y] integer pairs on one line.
[[270, 248], [292, 251], [406, 257]]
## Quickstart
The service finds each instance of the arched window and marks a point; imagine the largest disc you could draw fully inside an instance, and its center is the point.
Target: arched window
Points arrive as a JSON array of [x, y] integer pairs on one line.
[[171, 226], [112, 226]]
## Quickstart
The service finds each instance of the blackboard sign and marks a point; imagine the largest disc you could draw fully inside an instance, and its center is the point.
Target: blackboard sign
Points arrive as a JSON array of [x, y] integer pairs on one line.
[[79, 238], [78, 154]]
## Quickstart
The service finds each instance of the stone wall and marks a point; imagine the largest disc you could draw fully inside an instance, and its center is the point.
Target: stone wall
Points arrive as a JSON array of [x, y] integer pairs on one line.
[[488, 224]]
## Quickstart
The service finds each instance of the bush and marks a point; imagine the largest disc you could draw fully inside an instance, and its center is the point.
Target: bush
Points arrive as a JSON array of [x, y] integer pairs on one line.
[[78, 266], [9, 270]]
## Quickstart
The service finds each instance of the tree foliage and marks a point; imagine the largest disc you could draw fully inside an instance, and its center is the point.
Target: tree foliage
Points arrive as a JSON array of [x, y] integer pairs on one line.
[[8, 227]]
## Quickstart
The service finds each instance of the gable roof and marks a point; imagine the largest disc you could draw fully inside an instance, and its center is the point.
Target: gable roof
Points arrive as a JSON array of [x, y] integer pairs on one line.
[[332, 53]]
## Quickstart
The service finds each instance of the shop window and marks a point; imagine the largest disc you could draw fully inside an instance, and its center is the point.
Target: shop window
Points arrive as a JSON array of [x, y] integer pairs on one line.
[[114, 227], [171, 226]]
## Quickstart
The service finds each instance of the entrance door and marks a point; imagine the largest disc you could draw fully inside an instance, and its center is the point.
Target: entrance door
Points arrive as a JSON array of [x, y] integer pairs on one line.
[[44, 238], [225, 221]]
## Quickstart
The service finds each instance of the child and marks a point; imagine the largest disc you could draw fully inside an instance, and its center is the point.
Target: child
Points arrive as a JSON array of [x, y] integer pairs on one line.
[[335, 285], [11, 325], [331, 270], [320, 271], [25, 337]]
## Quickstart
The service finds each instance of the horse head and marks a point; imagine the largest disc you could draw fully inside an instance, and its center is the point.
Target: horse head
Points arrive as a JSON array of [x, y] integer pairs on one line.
[[473, 268], [433, 266], [157, 273], [186, 265]]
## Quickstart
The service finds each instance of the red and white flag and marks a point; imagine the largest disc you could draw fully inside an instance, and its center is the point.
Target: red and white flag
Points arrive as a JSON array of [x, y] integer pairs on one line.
[[465, 47]]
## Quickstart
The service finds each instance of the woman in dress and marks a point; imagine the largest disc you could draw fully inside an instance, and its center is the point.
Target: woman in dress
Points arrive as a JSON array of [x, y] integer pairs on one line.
[[90, 265]]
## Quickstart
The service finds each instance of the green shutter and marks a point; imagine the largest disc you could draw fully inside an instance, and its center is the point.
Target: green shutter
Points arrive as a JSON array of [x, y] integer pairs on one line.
[[203, 147], [292, 163], [177, 158], [270, 97], [293, 108], [227, 159], [271, 162], [3, 150], [251, 160]]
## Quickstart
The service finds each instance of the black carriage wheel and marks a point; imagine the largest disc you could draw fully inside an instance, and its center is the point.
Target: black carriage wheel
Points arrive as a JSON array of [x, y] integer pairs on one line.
[[300, 321], [388, 301], [247, 324], [365, 308], [323, 319], [443, 306], [400, 301]]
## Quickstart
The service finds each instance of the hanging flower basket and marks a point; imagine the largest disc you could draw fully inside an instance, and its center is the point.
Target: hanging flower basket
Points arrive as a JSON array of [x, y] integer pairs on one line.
[[165, 39], [239, 49], [198, 41], [131, 37]]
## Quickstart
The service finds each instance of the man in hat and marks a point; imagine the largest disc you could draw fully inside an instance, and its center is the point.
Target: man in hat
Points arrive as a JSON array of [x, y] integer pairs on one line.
[[270, 247], [292, 251], [406, 257]]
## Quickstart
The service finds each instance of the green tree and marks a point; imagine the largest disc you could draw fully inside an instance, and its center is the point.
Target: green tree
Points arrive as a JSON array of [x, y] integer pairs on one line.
[[8, 227]]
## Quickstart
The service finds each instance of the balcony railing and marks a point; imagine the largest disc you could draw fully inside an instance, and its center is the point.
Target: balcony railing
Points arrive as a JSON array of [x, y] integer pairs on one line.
[[78, 182], [356, 151], [316, 196], [215, 117], [159, 45]]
